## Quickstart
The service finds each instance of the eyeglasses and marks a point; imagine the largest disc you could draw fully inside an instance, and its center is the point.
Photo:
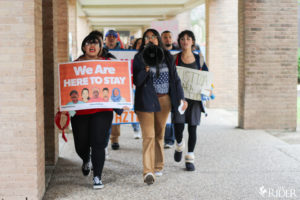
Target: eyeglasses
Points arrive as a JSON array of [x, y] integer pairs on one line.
[[90, 43], [152, 37]]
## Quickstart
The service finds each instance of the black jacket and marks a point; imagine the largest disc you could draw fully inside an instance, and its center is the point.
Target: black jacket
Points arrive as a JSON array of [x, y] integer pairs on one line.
[[146, 99]]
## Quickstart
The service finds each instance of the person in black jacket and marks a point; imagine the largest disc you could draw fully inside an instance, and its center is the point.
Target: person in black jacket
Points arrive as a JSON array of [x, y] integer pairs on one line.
[[158, 91]]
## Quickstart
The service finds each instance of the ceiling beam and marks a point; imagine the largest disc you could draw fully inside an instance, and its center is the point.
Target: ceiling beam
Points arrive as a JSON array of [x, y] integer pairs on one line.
[[119, 23], [129, 16], [135, 6], [118, 28]]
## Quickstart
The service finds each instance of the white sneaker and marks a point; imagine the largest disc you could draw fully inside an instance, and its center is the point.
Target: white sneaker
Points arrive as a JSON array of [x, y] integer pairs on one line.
[[158, 174], [97, 183], [137, 135], [168, 146]]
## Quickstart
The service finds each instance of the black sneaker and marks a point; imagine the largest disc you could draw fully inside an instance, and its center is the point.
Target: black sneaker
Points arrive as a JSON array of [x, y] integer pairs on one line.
[[86, 168], [97, 183], [115, 146], [189, 166], [177, 156]]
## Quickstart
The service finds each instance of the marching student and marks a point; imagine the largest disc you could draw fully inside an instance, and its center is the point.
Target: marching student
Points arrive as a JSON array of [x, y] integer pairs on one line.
[[192, 115], [90, 126], [158, 91]]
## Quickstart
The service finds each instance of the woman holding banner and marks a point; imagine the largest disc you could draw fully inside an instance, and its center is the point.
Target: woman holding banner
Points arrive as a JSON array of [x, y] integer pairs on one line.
[[90, 126], [158, 90], [186, 58]]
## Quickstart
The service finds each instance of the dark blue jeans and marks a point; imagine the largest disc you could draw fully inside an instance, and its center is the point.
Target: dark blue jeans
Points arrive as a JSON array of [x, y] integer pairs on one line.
[[136, 127], [169, 134]]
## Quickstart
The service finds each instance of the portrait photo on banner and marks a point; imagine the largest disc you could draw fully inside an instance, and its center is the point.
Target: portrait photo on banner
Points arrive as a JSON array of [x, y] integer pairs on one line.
[[95, 84]]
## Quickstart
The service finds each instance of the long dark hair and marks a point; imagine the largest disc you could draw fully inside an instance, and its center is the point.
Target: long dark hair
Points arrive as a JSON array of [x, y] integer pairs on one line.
[[189, 34], [135, 44], [167, 56], [155, 32]]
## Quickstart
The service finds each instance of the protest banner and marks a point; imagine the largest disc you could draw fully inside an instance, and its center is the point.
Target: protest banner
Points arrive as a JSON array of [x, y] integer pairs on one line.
[[129, 117], [194, 82], [95, 84]]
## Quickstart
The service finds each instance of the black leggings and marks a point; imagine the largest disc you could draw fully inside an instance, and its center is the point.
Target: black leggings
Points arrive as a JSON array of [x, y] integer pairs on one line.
[[90, 133], [192, 135]]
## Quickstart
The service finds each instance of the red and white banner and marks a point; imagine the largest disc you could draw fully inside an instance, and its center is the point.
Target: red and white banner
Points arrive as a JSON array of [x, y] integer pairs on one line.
[[95, 84]]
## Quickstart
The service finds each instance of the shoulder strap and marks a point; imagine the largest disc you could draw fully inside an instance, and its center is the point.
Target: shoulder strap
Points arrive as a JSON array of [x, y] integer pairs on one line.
[[197, 57], [177, 59]]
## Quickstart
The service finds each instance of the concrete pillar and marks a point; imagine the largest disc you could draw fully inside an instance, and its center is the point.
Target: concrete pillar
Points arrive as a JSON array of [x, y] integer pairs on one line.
[[22, 157], [72, 12], [222, 51], [268, 64], [55, 37], [83, 27]]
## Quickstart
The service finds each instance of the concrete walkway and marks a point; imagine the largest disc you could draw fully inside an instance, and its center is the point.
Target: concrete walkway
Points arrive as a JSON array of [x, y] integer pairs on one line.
[[231, 163]]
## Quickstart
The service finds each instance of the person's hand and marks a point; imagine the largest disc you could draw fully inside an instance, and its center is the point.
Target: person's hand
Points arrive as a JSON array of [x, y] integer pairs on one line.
[[126, 108], [185, 104], [147, 68]]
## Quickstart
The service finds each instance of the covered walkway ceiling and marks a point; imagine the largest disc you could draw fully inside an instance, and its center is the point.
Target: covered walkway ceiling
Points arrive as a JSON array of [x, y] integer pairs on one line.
[[131, 14]]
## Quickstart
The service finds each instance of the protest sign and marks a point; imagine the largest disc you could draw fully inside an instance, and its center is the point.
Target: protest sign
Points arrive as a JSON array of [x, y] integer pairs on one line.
[[129, 117], [95, 84], [194, 82]]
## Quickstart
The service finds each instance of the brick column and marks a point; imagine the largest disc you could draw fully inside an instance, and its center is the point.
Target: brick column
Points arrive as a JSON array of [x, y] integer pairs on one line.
[[55, 38], [22, 171], [222, 51], [51, 146], [268, 64]]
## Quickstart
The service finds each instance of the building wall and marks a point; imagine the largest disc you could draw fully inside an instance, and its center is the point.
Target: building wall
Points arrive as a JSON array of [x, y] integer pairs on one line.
[[22, 159], [222, 51], [268, 64]]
